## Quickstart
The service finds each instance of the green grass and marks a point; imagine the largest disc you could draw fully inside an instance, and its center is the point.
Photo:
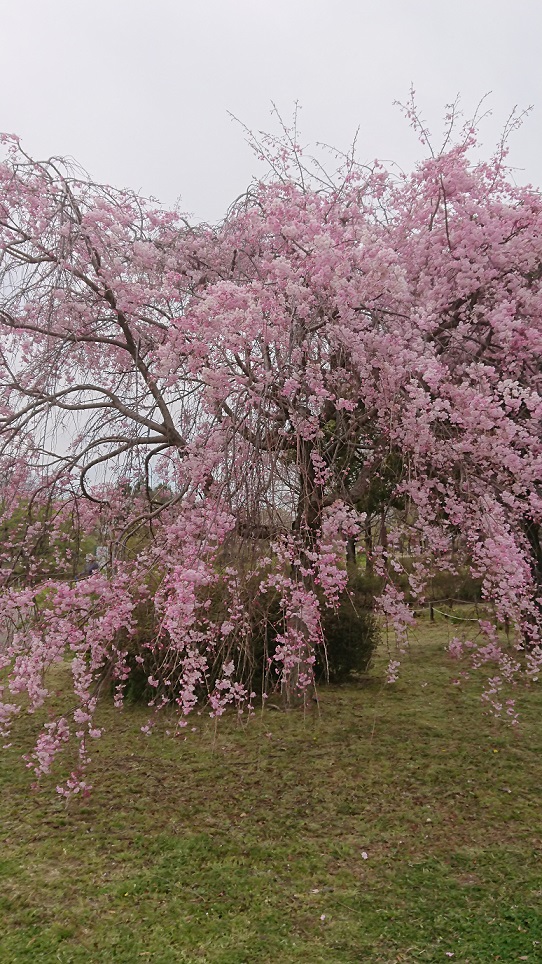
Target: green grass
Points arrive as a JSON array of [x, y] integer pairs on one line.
[[247, 844]]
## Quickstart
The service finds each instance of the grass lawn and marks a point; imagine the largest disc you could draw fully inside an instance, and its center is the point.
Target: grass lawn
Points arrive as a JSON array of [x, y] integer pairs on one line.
[[395, 823]]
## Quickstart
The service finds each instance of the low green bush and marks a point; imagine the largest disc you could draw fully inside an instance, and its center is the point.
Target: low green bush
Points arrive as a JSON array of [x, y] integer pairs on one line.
[[351, 635], [350, 639]]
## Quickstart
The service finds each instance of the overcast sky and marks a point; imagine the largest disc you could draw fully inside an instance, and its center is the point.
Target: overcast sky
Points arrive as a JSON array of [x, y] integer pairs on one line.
[[139, 92]]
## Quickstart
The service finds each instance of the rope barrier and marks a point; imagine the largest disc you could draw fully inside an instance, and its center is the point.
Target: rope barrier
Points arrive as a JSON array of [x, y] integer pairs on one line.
[[464, 619]]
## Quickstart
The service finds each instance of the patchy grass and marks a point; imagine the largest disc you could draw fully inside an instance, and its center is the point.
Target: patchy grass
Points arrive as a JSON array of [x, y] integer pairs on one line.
[[395, 823]]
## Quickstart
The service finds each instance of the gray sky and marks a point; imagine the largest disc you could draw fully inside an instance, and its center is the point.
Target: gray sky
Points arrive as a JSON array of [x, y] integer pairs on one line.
[[139, 92]]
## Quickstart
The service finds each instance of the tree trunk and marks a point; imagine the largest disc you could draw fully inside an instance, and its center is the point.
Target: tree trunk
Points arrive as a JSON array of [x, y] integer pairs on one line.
[[533, 533], [308, 515], [369, 568], [383, 530]]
